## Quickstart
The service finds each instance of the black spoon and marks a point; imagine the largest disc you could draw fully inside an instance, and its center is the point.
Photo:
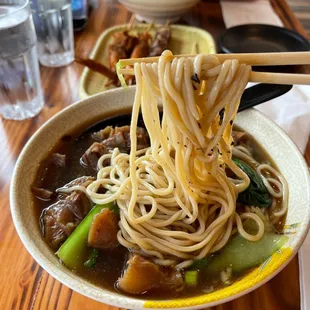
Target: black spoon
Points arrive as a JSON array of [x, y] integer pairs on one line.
[[261, 93], [251, 97]]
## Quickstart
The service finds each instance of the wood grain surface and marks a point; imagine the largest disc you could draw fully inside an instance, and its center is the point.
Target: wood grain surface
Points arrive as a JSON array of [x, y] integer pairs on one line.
[[23, 283]]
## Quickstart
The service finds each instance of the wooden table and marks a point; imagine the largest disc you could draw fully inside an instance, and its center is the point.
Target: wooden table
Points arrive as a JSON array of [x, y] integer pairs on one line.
[[23, 283]]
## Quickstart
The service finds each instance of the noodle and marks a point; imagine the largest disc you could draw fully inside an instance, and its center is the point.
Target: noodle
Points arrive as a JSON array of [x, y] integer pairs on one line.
[[275, 179], [176, 202]]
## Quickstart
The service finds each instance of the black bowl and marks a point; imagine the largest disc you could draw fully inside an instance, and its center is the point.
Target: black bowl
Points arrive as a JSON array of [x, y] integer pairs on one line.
[[257, 38]]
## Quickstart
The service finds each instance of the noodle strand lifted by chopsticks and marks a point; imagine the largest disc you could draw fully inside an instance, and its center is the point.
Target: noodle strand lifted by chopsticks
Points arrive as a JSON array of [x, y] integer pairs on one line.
[[176, 202]]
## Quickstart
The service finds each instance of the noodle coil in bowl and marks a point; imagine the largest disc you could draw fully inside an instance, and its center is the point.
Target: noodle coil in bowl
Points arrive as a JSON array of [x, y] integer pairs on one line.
[[183, 200]]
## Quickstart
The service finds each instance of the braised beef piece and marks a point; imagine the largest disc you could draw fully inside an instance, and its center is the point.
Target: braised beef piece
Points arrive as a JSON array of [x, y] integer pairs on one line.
[[41, 193], [102, 134], [103, 230], [110, 138], [83, 181], [119, 140], [142, 275], [57, 223], [81, 204], [120, 137], [59, 160], [93, 153], [60, 219]]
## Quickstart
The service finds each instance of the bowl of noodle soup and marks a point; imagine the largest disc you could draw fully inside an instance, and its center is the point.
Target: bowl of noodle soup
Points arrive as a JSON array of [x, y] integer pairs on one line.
[[211, 229]]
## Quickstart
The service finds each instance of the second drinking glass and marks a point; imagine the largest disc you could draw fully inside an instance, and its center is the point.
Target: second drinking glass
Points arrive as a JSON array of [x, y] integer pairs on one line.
[[54, 28]]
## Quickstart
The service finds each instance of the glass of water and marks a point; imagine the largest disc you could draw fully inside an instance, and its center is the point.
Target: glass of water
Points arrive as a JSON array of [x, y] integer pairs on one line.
[[20, 88], [54, 27]]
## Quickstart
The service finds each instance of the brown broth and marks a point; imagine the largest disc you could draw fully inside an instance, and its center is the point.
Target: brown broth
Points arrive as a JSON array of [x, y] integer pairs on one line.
[[262, 156], [111, 262]]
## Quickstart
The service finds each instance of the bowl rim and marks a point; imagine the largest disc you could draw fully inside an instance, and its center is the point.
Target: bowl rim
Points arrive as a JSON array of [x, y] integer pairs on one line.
[[228, 49], [126, 301]]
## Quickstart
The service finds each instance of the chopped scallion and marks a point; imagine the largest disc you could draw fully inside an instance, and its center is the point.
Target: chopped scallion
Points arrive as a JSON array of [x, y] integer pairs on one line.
[[191, 277]]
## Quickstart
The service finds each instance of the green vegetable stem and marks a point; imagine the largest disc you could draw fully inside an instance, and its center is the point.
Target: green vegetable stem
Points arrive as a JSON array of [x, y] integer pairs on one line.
[[241, 254], [72, 251]]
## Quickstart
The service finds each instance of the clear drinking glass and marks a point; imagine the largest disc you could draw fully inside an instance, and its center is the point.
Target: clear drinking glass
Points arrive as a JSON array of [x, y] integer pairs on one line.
[[20, 88], [54, 28]]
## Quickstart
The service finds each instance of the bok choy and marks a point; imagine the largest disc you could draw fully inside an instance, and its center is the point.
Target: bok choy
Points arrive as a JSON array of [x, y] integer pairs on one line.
[[241, 254], [256, 194], [92, 260], [72, 251]]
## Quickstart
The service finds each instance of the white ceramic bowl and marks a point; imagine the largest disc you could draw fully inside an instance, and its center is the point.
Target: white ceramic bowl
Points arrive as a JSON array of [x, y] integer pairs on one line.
[[159, 10], [283, 151]]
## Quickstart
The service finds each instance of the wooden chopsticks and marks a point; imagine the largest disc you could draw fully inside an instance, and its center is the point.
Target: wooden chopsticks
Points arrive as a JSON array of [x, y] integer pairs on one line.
[[258, 59], [269, 59], [280, 78], [253, 59]]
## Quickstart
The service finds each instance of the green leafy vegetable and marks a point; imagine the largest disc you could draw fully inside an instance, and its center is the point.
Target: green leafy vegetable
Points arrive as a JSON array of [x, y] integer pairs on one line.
[[113, 207], [92, 261], [256, 194], [241, 254], [73, 249], [191, 277], [201, 263]]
